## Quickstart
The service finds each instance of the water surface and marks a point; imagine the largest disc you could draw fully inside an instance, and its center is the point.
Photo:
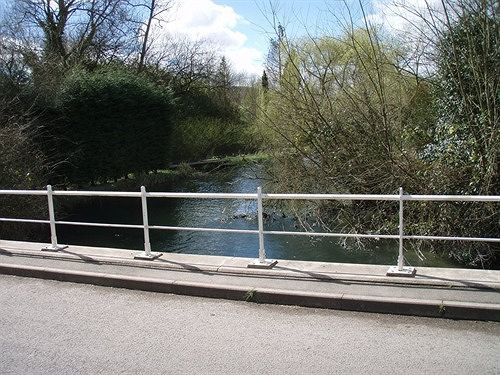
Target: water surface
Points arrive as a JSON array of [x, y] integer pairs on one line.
[[234, 214]]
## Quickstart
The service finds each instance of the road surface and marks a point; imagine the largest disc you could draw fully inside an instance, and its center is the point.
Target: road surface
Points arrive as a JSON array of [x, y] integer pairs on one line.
[[51, 327]]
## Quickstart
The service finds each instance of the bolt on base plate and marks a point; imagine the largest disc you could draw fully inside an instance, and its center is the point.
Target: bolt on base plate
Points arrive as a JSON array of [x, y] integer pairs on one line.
[[54, 248], [405, 272], [267, 264], [150, 256]]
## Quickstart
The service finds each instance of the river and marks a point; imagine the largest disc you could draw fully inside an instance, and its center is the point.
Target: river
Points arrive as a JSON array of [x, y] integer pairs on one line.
[[235, 214]]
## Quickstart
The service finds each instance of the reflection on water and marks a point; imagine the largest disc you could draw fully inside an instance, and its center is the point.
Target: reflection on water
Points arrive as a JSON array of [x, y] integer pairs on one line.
[[235, 214]]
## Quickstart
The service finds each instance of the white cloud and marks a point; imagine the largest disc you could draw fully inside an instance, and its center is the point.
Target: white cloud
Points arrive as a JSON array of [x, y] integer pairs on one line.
[[399, 15], [206, 20], [412, 22]]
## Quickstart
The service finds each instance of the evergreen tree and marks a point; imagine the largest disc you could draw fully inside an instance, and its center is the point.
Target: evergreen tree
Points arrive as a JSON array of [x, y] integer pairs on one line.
[[274, 61], [264, 81], [223, 84]]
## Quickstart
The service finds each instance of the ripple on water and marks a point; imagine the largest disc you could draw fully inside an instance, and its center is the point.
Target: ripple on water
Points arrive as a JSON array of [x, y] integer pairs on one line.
[[224, 213]]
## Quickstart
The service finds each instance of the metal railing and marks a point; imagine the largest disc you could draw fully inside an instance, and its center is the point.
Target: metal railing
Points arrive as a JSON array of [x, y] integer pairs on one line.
[[259, 196]]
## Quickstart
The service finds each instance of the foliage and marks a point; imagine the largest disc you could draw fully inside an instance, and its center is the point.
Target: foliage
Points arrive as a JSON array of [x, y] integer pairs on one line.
[[466, 141], [201, 137], [110, 122], [467, 90], [345, 110], [213, 120], [74, 66], [21, 162], [88, 94], [347, 117], [22, 166], [91, 95], [66, 33]]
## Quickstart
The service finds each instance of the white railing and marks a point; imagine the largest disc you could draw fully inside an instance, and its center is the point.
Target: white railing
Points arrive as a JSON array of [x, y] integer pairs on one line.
[[262, 261]]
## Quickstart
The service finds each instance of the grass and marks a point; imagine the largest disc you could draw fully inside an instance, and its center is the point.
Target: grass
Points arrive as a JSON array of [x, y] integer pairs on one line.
[[250, 295], [442, 309]]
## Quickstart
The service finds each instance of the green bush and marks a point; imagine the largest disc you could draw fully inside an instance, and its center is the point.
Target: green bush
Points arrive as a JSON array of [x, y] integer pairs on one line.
[[109, 123], [201, 137]]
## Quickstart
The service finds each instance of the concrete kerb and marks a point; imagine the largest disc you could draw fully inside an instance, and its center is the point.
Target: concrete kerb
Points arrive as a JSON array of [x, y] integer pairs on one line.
[[400, 306], [231, 266]]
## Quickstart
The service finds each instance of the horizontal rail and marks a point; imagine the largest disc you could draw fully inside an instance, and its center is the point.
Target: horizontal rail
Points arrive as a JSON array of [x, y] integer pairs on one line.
[[379, 197], [445, 238], [384, 236], [132, 194], [125, 194], [203, 195], [367, 197], [160, 227], [198, 229], [105, 225], [382, 197], [155, 195], [324, 234], [452, 198], [7, 219], [23, 192], [249, 231]]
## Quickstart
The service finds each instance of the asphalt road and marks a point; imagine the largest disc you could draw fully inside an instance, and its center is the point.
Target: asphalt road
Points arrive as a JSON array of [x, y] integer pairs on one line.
[[50, 327]]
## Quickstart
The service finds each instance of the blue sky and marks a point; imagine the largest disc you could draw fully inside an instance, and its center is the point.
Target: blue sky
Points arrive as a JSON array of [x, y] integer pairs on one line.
[[257, 24], [240, 29]]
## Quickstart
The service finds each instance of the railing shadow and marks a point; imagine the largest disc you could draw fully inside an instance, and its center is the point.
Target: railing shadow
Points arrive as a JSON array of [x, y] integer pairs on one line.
[[185, 266], [188, 267], [5, 252], [468, 284], [315, 275], [85, 258]]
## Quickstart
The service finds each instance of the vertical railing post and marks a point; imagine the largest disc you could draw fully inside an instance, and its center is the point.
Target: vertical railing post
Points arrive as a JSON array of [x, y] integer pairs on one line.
[[146, 254], [145, 221], [400, 269], [401, 231], [262, 250], [52, 221], [261, 262]]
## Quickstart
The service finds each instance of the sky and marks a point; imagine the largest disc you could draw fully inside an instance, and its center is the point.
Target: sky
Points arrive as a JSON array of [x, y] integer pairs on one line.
[[241, 29]]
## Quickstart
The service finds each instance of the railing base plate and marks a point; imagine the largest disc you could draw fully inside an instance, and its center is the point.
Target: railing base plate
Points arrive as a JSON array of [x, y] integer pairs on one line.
[[405, 272], [54, 249], [267, 264], [150, 256]]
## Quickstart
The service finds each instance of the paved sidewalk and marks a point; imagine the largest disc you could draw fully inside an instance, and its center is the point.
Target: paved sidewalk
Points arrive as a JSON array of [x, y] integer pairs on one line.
[[453, 293]]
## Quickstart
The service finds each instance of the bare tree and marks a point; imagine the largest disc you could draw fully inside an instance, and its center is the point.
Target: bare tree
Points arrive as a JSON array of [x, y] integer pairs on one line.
[[67, 31], [154, 9], [184, 62]]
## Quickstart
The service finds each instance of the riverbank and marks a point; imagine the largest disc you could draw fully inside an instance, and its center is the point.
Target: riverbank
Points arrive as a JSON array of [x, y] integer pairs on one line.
[[228, 161], [165, 179]]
